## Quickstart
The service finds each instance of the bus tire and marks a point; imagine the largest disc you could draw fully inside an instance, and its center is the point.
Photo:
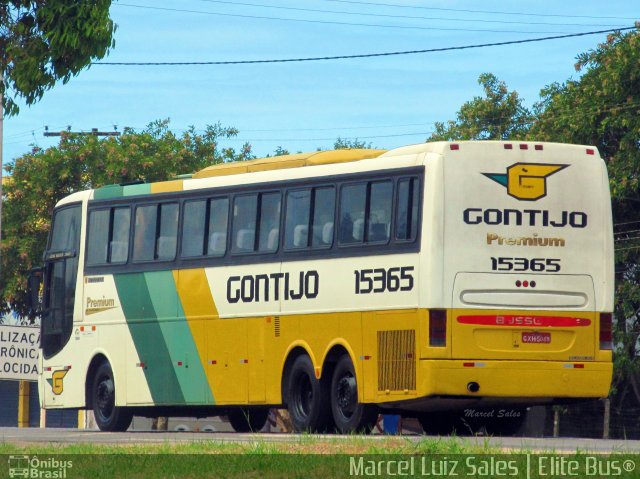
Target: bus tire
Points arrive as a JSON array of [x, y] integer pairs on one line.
[[108, 416], [250, 419], [307, 398], [349, 414]]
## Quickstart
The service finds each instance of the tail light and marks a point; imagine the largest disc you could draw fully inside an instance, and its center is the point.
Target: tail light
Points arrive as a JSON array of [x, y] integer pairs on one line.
[[437, 327], [606, 340]]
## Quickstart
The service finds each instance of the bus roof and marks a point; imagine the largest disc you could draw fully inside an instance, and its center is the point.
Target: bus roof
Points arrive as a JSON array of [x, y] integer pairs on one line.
[[288, 161]]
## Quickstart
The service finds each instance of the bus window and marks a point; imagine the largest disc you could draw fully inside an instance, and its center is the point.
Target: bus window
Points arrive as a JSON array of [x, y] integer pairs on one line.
[[244, 223], [98, 237], [353, 200], [119, 245], [66, 231], [296, 229], [193, 228], [407, 212], [324, 202], [108, 236], [218, 220], [379, 218], [168, 232], [269, 222], [145, 233]]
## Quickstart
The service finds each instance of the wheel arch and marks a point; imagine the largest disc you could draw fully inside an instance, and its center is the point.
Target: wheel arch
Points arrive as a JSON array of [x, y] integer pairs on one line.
[[335, 350], [97, 359]]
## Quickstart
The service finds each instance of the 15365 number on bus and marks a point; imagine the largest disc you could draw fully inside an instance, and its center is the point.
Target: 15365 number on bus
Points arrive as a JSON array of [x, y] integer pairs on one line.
[[548, 265], [382, 280]]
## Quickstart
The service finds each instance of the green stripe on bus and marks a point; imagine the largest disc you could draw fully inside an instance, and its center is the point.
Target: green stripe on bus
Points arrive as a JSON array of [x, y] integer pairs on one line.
[[107, 192], [178, 337], [139, 189], [148, 338]]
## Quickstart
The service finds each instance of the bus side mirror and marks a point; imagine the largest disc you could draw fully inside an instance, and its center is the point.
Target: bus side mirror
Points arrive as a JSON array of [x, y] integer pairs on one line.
[[34, 283]]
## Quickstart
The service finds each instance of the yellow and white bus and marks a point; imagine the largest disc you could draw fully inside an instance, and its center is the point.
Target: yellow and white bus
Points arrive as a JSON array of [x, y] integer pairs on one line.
[[420, 280]]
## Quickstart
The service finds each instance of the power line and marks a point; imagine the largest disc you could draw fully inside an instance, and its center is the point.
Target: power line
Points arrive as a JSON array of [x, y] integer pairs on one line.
[[337, 128], [324, 22], [365, 55], [412, 17], [355, 2]]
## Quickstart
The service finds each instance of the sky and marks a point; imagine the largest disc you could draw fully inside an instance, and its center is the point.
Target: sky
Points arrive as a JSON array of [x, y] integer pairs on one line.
[[388, 101]]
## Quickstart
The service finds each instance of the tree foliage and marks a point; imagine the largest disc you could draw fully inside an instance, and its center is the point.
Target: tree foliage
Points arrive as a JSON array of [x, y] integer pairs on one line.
[[499, 115], [46, 41], [41, 178], [601, 109], [346, 144]]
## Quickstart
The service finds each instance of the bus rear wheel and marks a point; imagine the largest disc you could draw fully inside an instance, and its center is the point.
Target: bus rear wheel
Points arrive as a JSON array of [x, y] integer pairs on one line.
[[248, 419], [349, 414], [109, 417], [307, 398]]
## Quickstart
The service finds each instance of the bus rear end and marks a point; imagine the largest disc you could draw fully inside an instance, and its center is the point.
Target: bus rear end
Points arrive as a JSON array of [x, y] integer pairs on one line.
[[528, 262]]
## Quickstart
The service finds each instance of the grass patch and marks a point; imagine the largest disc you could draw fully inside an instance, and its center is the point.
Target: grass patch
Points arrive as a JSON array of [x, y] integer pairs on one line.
[[301, 444]]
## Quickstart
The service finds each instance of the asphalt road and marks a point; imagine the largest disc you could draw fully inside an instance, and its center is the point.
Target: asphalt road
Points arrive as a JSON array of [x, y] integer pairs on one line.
[[76, 436]]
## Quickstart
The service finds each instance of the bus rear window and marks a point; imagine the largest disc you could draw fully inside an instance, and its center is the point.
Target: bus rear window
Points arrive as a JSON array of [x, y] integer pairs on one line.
[[407, 211]]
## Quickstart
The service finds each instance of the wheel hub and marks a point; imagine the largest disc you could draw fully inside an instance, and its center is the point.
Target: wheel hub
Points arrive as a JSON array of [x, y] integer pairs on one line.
[[105, 397], [347, 395]]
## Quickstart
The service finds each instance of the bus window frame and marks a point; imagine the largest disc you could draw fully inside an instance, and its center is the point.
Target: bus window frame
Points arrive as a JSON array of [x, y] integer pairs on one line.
[[281, 255]]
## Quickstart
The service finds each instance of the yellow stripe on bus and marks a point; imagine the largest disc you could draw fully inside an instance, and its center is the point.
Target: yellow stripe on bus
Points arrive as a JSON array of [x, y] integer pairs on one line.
[[167, 186], [199, 307]]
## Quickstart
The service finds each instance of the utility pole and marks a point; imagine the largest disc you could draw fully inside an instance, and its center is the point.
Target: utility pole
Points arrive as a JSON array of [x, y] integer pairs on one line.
[[94, 132]]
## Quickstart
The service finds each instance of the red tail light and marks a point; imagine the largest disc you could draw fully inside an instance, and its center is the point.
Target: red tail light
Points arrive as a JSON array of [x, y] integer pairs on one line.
[[437, 327], [606, 337]]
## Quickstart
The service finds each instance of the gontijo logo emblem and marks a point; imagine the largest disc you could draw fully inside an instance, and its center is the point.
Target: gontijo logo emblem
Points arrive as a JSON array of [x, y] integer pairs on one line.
[[55, 381], [526, 181]]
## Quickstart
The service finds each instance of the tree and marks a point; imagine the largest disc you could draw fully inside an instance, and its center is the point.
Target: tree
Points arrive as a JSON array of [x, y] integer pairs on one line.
[[41, 178], [43, 42], [345, 144], [499, 115], [601, 109]]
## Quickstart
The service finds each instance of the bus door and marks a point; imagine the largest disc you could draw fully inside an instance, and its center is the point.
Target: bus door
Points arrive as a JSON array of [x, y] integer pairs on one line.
[[60, 275]]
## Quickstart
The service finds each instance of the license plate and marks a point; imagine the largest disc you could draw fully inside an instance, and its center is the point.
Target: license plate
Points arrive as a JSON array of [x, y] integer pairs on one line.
[[536, 338]]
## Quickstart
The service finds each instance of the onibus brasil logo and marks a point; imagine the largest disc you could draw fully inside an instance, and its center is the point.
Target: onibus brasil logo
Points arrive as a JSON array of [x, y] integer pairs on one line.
[[34, 467], [526, 181]]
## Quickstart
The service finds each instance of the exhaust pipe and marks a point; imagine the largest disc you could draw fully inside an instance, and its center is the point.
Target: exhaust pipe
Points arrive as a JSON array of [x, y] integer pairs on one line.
[[473, 387]]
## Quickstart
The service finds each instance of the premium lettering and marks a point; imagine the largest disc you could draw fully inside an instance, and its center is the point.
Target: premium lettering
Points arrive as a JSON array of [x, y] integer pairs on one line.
[[534, 240]]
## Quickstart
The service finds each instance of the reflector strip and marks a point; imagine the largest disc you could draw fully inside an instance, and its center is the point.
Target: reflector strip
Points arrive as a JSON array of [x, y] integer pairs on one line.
[[519, 321]]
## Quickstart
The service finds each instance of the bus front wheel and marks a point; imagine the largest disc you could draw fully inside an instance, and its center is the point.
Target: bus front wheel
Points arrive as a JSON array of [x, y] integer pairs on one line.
[[349, 414], [307, 398], [109, 417]]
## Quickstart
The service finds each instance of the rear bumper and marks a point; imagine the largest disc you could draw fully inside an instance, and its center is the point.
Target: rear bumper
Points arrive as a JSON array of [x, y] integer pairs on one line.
[[440, 382]]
